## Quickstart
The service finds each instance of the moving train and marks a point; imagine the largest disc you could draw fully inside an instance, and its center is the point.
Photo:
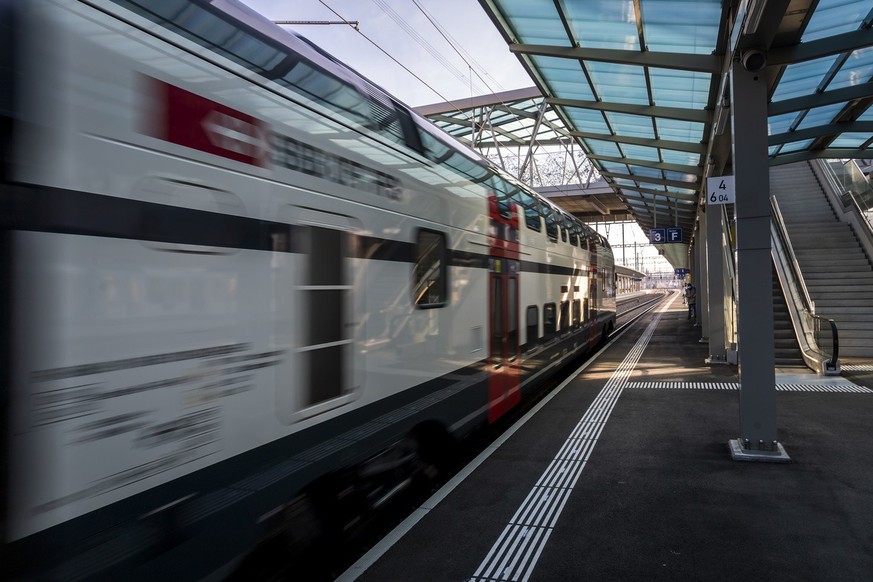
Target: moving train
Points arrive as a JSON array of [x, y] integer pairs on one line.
[[242, 283]]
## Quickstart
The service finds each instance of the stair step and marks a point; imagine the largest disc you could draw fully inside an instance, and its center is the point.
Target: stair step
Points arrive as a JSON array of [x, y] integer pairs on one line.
[[856, 276], [847, 264], [855, 334], [831, 305]]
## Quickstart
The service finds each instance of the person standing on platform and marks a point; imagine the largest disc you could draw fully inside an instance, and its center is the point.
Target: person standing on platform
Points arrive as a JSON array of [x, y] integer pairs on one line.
[[691, 299]]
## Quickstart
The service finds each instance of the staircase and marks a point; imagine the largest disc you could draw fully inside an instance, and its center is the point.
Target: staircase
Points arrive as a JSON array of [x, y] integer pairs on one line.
[[837, 272], [786, 350]]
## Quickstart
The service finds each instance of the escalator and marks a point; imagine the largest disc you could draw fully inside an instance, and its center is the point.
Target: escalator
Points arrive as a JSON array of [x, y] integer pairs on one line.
[[786, 349]]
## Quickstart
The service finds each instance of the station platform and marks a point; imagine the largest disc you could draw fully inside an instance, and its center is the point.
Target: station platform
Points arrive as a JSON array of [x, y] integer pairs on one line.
[[625, 473]]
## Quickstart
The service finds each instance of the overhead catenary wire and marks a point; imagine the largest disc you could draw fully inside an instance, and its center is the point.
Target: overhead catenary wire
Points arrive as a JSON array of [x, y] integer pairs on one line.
[[387, 54], [423, 42]]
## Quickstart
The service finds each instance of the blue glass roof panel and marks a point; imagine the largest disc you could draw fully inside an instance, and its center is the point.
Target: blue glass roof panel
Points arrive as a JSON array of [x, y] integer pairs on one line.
[[535, 22], [833, 17], [650, 186], [681, 26], [857, 69], [795, 146], [820, 116], [851, 140], [638, 152], [631, 125], [565, 77], [613, 167], [674, 157], [677, 130], [617, 83], [675, 88], [587, 120], [780, 123], [676, 190], [802, 79], [603, 148], [680, 177], [609, 24], [646, 172]]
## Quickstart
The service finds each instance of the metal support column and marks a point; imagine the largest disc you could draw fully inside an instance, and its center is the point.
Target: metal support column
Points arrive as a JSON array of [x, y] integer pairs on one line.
[[757, 441], [701, 276], [715, 285]]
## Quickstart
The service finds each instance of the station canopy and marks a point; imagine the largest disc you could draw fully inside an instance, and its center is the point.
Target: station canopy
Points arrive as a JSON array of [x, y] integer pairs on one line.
[[642, 87]]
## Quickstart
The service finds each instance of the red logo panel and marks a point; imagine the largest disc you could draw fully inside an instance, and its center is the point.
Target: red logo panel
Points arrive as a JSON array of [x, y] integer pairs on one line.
[[196, 122]]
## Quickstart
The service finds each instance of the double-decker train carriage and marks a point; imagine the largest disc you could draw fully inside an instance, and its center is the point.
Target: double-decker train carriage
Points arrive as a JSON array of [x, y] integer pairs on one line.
[[235, 272]]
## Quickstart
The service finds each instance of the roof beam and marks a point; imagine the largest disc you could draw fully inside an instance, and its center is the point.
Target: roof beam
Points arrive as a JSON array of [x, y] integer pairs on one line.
[[679, 146], [830, 153], [823, 47], [679, 113], [842, 95], [681, 61], [674, 183], [474, 102], [831, 129], [677, 195], [680, 168]]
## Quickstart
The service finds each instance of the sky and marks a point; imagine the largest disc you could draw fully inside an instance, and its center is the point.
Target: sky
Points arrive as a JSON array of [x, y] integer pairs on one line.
[[451, 46]]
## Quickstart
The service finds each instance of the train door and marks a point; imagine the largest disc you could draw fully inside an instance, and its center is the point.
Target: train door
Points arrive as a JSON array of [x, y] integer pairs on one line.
[[503, 384], [593, 304], [504, 381], [317, 306]]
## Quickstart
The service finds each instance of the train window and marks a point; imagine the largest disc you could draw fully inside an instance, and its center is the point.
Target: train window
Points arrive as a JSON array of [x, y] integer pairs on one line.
[[564, 320], [551, 224], [549, 323], [437, 151], [574, 236], [577, 312], [429, 275], [504, 207], [532, 219], [328, 90], [531, 205], [383, 116], [532, 321]]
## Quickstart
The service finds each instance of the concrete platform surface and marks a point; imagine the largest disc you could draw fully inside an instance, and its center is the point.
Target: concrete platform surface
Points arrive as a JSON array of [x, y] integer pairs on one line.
[[626, 474]]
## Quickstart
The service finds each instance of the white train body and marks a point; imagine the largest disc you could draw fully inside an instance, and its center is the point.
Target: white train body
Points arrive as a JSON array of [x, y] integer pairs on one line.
[[223, 289]]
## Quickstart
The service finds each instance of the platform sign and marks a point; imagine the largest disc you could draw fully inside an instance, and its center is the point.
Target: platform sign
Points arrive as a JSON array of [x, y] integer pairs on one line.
[[680, 271], [674, 235], [720, 190], [657, 235]]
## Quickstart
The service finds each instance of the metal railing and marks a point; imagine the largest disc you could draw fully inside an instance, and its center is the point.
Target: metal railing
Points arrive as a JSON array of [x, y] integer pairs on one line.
[[813, 332], [852, 194]]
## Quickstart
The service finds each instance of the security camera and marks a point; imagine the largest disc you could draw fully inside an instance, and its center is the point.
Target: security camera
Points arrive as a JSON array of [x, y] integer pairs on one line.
[[753, 60]]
